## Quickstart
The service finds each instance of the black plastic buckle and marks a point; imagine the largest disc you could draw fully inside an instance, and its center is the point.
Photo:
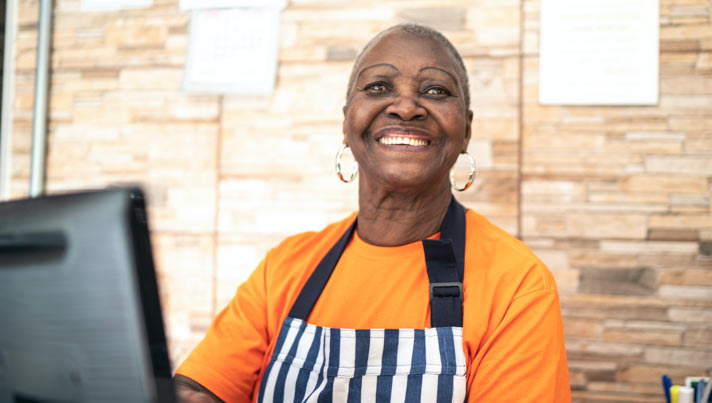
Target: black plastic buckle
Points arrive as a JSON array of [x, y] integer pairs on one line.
[[446, 285]]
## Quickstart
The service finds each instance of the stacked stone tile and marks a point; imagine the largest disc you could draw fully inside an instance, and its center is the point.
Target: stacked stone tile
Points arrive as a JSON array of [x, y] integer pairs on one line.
[[616, 200]]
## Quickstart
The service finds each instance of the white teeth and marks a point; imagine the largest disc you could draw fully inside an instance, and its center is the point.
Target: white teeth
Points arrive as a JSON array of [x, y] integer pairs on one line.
[[403, 141]]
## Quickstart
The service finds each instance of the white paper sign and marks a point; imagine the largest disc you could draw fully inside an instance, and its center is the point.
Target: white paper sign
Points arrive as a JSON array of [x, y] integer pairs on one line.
[[232, 51], [206, 4], [106, 5], [602, 52]]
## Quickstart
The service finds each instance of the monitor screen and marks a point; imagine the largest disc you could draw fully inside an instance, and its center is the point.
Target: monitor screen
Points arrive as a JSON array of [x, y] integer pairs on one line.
[[80, 316]]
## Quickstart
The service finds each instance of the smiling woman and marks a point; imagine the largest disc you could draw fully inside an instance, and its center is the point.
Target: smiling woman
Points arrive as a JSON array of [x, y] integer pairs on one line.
[[413, 298]]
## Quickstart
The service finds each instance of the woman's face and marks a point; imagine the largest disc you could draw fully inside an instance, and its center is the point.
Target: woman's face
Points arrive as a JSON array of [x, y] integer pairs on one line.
[[406, 120]]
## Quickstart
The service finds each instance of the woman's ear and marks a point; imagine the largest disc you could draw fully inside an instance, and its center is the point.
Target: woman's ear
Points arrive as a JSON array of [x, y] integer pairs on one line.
[[468, 130], [343, 123]]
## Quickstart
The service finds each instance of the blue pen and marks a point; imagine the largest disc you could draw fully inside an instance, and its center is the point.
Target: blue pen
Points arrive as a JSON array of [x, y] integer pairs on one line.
[[666, 387], [708, 392], [700, 390]]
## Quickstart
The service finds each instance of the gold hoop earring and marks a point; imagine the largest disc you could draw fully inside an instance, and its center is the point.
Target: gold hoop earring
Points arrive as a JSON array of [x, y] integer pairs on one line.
[[473, 171], [338, 165]]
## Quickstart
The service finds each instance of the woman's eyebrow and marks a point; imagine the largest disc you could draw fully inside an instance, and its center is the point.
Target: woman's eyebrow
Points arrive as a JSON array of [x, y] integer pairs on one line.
[[377, 65], [439, 69]]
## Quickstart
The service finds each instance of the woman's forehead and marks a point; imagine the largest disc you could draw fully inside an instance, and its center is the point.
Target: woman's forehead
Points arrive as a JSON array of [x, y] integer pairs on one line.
[[404, 48]]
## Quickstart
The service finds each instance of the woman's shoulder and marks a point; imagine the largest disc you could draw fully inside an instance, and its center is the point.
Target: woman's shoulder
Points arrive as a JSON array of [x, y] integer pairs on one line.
[[501, 257], [309, 245], [490, 236]]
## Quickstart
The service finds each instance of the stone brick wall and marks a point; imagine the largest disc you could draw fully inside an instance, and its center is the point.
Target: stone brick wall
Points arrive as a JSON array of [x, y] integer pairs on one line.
[[616, 200]]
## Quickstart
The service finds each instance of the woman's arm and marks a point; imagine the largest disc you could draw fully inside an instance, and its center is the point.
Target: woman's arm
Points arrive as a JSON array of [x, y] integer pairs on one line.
[[525, 359], [189, 391], [227, 361]]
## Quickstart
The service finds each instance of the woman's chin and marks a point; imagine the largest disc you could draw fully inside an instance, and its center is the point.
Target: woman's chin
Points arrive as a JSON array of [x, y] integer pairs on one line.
[[401, 180]]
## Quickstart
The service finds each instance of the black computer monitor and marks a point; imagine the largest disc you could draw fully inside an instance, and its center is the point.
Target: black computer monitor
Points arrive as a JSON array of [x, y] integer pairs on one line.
[[80, 316]]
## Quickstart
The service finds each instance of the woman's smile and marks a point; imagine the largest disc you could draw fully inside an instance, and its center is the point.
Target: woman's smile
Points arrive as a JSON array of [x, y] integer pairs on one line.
[[403, 138], [403, 141]]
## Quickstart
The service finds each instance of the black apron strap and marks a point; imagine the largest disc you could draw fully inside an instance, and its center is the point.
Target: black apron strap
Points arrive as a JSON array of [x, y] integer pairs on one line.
[[445, 263], [317, 281], [444, 260]]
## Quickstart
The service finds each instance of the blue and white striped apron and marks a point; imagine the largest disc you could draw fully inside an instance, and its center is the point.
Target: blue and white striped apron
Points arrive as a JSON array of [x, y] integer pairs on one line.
[[319, 364]]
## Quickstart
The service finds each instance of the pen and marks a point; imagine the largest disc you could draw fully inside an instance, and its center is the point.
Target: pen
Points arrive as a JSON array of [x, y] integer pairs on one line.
[[666, 387], [700, 390], [708, 390]]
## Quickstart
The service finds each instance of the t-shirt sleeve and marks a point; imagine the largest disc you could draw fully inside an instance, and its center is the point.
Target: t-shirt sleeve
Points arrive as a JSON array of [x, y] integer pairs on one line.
[[525, 359], [228, 360]]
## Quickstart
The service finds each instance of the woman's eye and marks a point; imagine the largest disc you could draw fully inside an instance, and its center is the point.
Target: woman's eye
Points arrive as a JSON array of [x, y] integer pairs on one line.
[[376, 88], [437, 91]]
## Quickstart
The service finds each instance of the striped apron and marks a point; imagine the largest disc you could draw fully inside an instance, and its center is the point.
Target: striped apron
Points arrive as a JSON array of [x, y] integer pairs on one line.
[[319, 364]]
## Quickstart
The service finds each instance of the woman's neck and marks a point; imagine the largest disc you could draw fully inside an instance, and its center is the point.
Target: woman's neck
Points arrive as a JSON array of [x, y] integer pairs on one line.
[[397, 218]]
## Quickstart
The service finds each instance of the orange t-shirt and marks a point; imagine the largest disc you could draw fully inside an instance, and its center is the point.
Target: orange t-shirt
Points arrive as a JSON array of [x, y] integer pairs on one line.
[[512, 331]]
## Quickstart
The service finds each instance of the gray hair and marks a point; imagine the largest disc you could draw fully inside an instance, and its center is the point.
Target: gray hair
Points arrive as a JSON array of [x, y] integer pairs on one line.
[[422, 32]]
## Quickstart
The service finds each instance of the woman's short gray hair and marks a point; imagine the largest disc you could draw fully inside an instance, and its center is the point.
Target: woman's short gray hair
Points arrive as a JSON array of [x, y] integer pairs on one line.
[[423, 32]]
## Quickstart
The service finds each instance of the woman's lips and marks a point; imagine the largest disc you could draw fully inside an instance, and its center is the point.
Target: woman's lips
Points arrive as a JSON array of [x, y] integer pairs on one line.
[[403, 137]]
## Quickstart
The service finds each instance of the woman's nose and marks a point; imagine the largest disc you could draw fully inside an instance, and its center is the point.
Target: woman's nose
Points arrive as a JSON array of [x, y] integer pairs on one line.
[[406, 107]]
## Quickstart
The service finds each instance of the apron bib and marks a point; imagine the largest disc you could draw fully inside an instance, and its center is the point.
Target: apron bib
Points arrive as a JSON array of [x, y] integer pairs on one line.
[[319, 364]]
